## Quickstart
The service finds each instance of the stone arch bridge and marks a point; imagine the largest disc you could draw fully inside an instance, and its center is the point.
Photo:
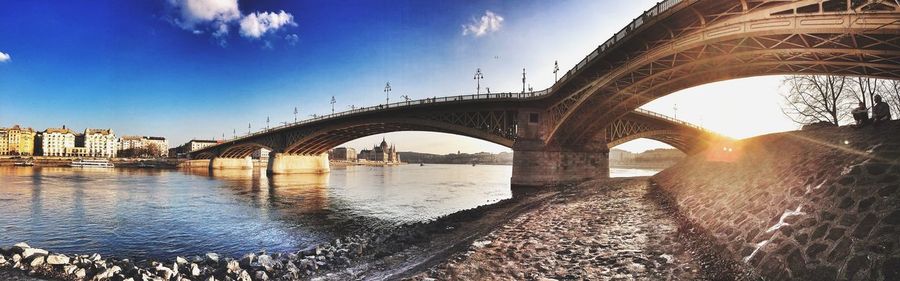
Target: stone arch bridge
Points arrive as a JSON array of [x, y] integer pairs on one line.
[[563, 133]]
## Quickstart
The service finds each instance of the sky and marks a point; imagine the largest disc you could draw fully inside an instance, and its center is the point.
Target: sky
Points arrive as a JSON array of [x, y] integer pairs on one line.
[[202, 69]]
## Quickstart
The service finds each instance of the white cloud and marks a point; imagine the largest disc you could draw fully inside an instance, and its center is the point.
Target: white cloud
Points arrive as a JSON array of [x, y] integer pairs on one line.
[[4, 57], [489, 22], [257, 24], [216, 17], [194, 15]]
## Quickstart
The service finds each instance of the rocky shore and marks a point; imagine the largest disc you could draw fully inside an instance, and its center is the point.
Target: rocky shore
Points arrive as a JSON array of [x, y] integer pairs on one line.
[[619, 229]]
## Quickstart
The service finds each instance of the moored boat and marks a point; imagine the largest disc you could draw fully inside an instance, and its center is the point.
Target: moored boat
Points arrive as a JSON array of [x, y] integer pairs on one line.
[[92, 164]]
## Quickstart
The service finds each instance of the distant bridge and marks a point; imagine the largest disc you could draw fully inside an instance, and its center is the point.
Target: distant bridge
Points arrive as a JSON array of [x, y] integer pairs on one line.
[[563, 134]]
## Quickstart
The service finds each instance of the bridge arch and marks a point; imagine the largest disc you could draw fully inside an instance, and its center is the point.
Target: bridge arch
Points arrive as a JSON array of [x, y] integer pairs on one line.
[[242, 150], [699, 42], [326, 138]]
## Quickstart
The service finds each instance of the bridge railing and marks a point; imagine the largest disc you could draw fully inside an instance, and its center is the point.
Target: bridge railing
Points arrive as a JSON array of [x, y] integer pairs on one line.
[[658, 9], [471, 97], [672, 119]]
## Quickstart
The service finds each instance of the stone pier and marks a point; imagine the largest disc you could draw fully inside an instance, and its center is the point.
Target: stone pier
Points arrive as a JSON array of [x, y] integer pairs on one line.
[[281, 163], [219, 163], [537, 165]]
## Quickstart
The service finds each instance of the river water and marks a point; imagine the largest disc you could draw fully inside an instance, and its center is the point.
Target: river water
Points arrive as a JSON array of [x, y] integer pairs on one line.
[[139, 213]]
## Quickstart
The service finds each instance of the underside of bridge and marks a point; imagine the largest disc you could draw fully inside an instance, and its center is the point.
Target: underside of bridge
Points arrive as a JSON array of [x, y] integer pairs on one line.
[[565, 135]]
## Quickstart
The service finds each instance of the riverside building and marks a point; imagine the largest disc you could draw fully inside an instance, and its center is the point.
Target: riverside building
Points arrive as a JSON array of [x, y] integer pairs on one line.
[[57, 142], [100, 143], [17, 141], [380, 153]]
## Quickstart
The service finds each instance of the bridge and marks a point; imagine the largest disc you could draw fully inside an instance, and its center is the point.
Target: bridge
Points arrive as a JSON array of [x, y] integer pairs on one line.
[[563, 133]]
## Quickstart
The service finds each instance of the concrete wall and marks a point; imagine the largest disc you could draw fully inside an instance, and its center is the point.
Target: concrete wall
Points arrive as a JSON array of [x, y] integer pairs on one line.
[[219, 163], [813, 205], [280, 163]]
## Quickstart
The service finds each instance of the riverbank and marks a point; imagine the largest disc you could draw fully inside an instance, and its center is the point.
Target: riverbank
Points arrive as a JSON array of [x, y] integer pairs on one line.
[[819, 204], [599, 230]]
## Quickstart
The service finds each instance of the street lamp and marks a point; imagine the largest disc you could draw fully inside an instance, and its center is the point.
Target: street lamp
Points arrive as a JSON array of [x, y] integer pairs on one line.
[[233, 133], [295, 114], [523, 80], [248, 128], [555, 70], [387, 93], [405, 98], [267, 123], [478, 77], [333, 101]]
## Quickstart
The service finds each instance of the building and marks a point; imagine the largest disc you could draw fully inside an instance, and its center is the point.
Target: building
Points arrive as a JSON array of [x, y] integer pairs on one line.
[[17, 141], [100, 143], [344, 154], [190, 146], [380, 153], [261, 154], [4, 142], [57, 141], [146, 146], [195, 145]]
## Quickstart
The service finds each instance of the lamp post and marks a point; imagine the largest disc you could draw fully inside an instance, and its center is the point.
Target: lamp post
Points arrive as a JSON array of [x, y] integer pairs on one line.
[[295, 114], [248, 128], [387, 93], [478, 77], [333, 101], [555, 70], [405, 98], [233, 133], [523, 80], [267, 123]]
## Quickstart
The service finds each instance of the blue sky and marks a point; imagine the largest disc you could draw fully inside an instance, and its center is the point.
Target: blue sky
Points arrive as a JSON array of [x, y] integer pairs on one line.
[[199, 68]]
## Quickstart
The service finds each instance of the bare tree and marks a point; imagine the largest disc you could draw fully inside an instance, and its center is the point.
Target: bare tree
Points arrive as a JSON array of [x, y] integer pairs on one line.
[[815, 98], [890, 91], [864, 89]]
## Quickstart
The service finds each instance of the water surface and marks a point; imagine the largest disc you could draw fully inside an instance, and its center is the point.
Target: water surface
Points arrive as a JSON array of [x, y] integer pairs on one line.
[[133, 213]]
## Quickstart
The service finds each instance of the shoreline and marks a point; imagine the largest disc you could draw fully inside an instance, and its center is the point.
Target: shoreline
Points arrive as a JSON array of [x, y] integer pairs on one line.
[[368, 254], [433, 249]]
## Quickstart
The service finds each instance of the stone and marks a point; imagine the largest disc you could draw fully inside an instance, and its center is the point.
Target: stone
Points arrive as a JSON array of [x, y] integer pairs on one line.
[[36, 261], [865, 226], [893, 218], [213, 257], [244, 276], [891, 269], [854, 265], [267, 262], [16, 258], [261, 275], [19, 247], [95, 257], [248, 259], [164, 272], [795, 262], [180, 260], [28, 252], [57, 259], [233, 267], [70, 269], [195, 270], [80, 273], [107, 274], [815, 249]]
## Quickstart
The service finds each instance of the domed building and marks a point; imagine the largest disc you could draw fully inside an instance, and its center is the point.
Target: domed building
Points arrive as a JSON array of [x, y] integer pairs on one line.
[[381, 153]]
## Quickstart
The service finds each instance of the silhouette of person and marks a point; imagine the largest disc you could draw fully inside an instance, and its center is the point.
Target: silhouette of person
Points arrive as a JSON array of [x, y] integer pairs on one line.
[[861, 115], [881, 112]]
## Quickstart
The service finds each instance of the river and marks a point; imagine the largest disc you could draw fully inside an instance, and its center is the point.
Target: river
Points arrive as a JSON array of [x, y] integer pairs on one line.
[[140, 213]]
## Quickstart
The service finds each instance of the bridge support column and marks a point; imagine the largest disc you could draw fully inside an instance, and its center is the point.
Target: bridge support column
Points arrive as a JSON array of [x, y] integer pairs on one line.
[[537, 165], [219, 163], [281, 163]]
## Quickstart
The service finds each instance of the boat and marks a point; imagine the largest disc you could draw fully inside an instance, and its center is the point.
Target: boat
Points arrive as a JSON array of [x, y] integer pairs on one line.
[[92, 164], [24, 163]]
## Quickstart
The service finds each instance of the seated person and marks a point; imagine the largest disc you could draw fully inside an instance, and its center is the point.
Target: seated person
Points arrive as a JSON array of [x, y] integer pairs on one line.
[[861, 115], [881, 112]]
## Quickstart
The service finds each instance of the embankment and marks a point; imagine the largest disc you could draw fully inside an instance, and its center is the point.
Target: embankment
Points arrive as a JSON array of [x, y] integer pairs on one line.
[[807, 205]]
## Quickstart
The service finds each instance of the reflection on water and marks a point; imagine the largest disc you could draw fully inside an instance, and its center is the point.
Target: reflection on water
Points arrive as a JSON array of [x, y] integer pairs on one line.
[[162, 213]]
